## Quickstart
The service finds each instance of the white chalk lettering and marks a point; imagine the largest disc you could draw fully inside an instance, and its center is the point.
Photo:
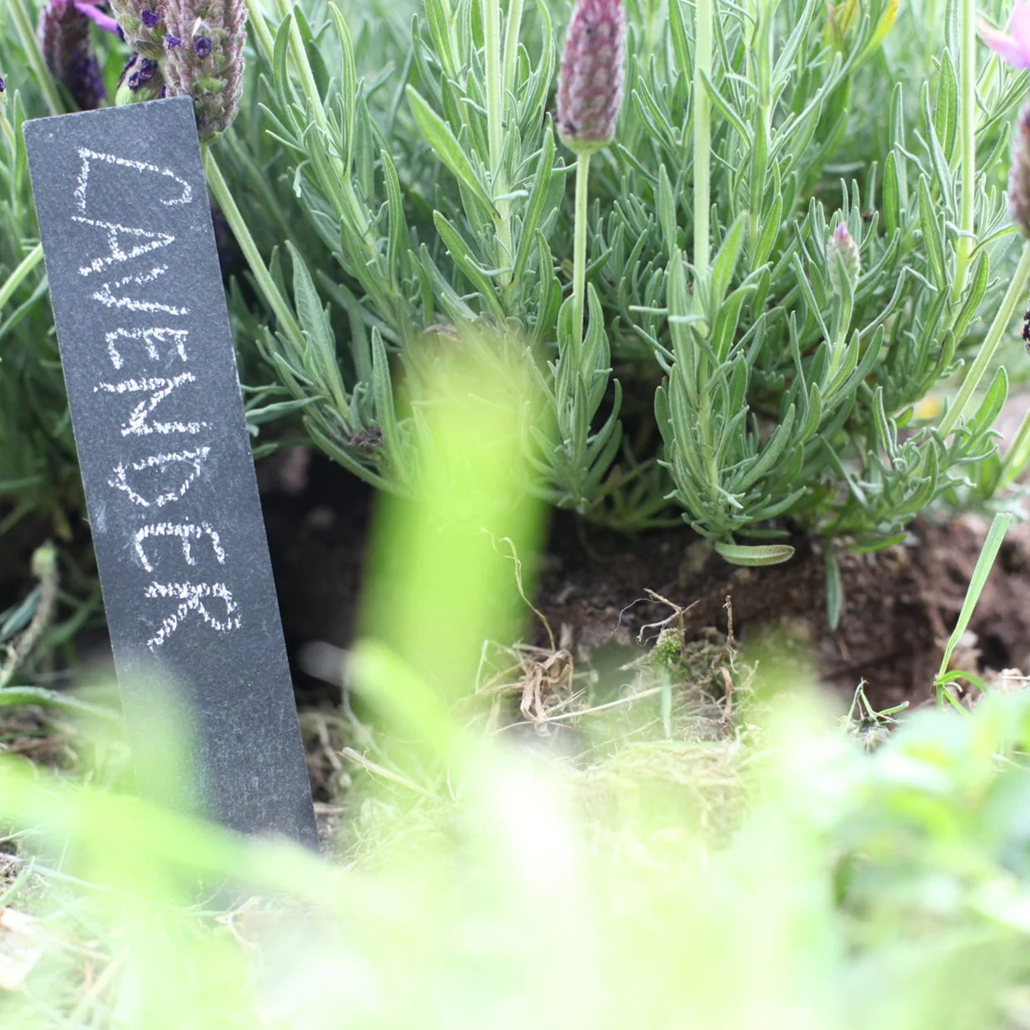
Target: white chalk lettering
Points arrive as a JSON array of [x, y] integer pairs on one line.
[[192, 596], [186, 532], [106, 294], [159, 464], [88, 157], [150, 338], [147, 241], [158, 388]]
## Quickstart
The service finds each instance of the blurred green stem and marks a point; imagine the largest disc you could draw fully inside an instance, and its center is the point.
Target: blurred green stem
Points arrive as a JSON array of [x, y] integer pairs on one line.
[[1018, 455], [579, 257], [967, 134], [1010, 302], [17, 277], [8, 130], [702, 133], [34, 56], [266, 284]]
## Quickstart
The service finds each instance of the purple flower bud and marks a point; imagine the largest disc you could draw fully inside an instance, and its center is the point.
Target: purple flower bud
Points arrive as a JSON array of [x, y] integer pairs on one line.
[[591, 76], [68, 51], [210, 67], [129, 65], [1019, 173], [171, 42], [3, 85], [143, 25], [147, 70], [844, 259]]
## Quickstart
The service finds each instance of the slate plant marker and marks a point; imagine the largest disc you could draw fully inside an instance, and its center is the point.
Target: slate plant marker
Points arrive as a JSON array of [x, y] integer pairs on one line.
[[165, 458]]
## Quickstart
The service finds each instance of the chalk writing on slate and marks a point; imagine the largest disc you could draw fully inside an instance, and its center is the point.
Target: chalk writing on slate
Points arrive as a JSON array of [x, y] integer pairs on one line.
[[165, 458]]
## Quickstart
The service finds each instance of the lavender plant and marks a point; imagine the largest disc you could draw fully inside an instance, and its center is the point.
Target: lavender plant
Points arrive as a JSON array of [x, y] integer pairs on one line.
[[757, 145], [38, 476], [64, 37], [790, 231]]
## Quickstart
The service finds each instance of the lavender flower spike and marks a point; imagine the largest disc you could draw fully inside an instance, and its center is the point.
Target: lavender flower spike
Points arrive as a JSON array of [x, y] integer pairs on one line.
[[68, 51], [591, 77], [206, 60], [1019, 173], [143, 24], [1014, 48]]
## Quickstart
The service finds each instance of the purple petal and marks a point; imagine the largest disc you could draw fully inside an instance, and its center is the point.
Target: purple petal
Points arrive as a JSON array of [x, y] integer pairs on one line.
[[1005, 46], [1019, 26], [105, 21]]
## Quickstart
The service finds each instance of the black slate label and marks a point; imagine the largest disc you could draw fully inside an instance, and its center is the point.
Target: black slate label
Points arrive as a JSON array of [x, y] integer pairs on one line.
[[165, 458]]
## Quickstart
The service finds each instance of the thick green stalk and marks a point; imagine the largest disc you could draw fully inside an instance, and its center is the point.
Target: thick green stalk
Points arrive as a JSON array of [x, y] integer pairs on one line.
[[34, 57], [579, 257], [967, 135], [1010, 302], [17, 277], [702, 133]]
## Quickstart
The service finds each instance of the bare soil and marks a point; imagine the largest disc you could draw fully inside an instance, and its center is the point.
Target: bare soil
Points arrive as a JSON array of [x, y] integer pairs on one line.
[[901, 603]]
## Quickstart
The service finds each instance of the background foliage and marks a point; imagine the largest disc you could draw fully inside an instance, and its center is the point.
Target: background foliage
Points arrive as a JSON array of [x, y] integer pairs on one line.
[[400, 201]]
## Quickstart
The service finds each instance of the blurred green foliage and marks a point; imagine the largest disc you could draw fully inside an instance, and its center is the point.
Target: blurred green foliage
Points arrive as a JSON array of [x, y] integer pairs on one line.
[[720, 872]]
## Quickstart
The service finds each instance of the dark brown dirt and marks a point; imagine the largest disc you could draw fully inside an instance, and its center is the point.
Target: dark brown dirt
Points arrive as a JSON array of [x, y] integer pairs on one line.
[[900, 603]]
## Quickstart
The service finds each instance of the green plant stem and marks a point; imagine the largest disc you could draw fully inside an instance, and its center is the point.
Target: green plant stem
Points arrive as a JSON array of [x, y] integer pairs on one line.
[[266, 284], [579, 258], [967, 135], [512, 30], [266, 44], [494, 84], [702, 133], [1010, 302], [17, 277], [34, 57], [496, 101], [8, 130], [302, 66], [1018, 455]]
